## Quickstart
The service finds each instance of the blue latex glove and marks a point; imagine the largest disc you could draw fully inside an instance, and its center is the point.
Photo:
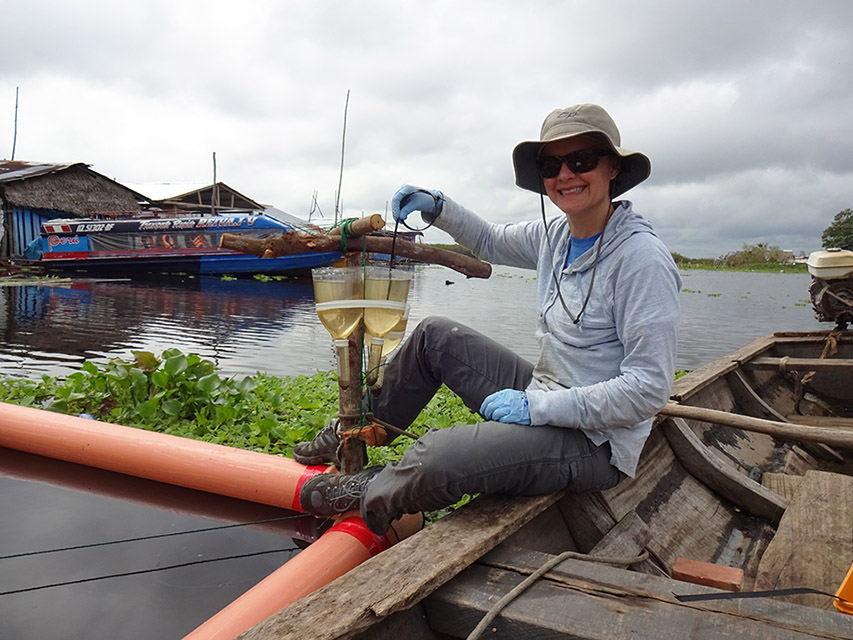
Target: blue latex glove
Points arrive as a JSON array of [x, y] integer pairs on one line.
[[506, 405], [409, 198]]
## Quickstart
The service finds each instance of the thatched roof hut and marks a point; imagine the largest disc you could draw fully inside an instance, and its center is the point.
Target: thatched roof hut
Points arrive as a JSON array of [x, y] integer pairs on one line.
[[31, 193], [73, 189]]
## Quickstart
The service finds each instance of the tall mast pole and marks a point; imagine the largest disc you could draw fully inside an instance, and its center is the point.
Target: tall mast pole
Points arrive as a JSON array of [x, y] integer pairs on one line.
[[15, 136], [341, 175]]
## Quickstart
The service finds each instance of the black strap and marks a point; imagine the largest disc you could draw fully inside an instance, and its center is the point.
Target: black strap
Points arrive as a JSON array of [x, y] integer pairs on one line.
[[795, 591]]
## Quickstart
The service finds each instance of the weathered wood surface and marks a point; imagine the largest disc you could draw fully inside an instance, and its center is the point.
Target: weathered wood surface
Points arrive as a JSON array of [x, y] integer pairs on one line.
[[782, 484], [755, 406], [813, 546], [404, 574], [712, 470], [686, 518], [843, 365], [833, 436], [707, 374], [582, 600], [628, 539], [300, 242]]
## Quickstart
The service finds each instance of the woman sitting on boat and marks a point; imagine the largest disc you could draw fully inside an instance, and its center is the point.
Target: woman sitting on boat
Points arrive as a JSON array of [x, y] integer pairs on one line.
[[607, 319]]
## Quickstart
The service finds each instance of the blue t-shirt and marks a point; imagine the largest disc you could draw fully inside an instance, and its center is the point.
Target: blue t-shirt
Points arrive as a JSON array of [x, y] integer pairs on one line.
[[579, 246]]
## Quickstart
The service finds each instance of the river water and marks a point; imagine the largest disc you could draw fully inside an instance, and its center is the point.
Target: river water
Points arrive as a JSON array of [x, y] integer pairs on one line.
[[246, 325]]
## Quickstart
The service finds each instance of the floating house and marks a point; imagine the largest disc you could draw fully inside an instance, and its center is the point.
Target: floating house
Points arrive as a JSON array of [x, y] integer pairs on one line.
[[33, 192]]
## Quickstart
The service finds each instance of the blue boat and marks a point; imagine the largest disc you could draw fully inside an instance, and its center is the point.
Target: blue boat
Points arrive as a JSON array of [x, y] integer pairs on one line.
[[164, 244]]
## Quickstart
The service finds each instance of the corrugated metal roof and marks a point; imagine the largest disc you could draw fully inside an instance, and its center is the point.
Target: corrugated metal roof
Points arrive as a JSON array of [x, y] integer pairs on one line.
[[11, 170], [165, 190]]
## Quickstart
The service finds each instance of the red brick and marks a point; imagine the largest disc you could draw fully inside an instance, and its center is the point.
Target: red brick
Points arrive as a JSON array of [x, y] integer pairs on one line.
[[708, 574]]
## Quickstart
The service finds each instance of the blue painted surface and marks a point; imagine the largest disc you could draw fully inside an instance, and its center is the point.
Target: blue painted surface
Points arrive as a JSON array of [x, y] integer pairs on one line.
[[157, 245]]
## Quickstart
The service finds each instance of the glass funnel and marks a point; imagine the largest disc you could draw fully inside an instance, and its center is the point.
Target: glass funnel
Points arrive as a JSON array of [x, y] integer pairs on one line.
[[338, 296], [386, 291]]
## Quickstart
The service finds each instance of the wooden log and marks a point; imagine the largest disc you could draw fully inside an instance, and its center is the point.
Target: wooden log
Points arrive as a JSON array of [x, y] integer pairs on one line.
[[820, 421], [299, 242], [715, 472], [838, 437], [361, 227], [813, 546]]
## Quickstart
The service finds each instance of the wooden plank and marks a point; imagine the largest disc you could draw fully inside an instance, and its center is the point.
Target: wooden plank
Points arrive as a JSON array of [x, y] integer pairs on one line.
[[398, 578], [754, 405], [748, 400], [546, 533], [686, 517], [801, 364], [627, 539], [813, 546], [708, 467], [782, 484], [586, 601], [696, 380]]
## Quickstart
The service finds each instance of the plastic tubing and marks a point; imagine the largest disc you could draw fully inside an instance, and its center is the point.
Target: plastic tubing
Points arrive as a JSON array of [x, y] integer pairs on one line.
[[343, 547], [247, 475]]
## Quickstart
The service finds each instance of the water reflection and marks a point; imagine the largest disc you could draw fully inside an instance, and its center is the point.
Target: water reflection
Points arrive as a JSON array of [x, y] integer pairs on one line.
[[247, 325], [49, 504]]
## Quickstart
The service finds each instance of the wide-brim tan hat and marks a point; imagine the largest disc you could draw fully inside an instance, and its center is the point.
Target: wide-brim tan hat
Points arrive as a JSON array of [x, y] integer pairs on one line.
[[579, 120]]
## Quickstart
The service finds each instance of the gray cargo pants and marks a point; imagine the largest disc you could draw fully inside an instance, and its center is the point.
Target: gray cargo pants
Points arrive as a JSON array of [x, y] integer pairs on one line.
[[488, 457]]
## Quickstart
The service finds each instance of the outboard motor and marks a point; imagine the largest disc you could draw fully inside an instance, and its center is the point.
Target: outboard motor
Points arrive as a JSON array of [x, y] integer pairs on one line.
[[831, 289]]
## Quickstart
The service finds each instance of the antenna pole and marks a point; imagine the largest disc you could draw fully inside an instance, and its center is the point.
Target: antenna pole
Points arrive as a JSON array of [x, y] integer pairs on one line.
[[341, 176], [15, 137], [213, 191]]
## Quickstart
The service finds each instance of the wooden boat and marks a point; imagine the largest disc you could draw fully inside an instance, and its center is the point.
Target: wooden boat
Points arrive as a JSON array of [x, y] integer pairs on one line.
[[749, 467], [156, 243]]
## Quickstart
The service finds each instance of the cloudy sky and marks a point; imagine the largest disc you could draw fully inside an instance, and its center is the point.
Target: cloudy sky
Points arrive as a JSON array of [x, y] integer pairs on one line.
[[744, 106]]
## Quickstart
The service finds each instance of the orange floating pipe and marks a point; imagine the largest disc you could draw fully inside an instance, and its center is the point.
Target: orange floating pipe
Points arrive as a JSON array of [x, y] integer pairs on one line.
[[343, 547], [247, 475]]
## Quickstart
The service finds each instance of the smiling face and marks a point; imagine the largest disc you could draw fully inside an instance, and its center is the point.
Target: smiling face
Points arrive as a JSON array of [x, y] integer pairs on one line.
[[583, 197]]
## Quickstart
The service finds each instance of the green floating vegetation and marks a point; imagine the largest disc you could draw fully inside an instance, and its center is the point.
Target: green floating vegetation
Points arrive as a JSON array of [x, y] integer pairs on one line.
[[185, 395]]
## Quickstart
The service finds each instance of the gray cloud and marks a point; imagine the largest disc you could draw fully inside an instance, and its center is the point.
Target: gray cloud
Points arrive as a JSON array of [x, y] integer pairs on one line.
[[744, 108]]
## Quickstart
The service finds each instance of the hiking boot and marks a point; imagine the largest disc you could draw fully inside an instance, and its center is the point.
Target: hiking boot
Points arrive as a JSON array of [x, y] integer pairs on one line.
[[328, 494], [323, 448]]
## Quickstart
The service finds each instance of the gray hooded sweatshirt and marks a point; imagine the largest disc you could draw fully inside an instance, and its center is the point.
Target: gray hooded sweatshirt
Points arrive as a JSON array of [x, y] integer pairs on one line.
[[612, 371]]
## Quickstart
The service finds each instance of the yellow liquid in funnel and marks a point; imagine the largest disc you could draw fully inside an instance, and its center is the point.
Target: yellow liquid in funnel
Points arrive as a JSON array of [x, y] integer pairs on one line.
[[338, 322], [380, 321]]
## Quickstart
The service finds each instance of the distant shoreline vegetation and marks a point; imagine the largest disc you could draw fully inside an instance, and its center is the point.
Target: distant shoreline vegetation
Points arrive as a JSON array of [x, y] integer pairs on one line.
[[710, 264], [760, 258]]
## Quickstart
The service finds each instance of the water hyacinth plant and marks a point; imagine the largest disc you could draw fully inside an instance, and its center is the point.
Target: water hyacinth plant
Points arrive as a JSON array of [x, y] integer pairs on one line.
[[185, 395]]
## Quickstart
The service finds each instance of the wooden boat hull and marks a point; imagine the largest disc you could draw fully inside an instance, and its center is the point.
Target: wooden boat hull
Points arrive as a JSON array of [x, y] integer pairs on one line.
[[705, 491]]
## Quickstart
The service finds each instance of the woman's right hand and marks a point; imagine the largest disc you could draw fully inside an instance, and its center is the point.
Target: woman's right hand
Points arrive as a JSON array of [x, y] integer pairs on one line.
[[409, 198]]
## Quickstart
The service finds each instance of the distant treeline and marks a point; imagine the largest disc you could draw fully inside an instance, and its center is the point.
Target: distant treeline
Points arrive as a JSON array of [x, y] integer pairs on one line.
[[757, 257]]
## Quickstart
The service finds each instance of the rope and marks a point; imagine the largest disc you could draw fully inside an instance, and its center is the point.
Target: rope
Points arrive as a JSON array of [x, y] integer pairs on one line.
[[142, 571], [345, 226], [533, 577], [143, 538]]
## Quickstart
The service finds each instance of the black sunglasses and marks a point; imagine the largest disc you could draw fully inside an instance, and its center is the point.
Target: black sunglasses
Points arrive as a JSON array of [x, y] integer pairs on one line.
[[582, 161]]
